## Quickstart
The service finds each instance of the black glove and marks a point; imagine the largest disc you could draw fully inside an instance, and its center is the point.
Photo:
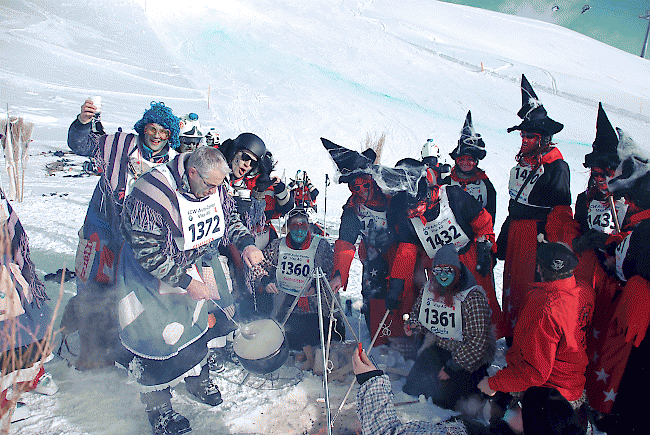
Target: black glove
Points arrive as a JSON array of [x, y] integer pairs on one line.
[[590, 240], [395, 289], [483, 257], [265, 166], [279, 188]]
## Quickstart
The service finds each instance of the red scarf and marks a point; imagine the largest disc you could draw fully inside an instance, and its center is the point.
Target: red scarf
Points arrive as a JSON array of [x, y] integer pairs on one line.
[[304, 245], [540, 157], [476, 175]]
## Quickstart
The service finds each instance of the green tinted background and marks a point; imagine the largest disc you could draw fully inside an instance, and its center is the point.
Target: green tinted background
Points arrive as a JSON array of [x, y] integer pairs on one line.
[[614, 22]]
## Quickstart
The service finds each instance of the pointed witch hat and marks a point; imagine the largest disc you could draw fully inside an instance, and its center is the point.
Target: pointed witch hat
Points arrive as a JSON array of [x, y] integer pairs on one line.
[[535, 118], [470, 142], [347, 161], [604, 149]]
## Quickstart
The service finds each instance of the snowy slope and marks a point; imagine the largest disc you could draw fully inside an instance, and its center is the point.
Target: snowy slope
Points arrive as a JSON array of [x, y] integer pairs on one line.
[[291, 72]]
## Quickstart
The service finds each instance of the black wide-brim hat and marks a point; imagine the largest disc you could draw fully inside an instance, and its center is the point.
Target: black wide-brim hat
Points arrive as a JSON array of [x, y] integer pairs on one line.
[[348, 161], [470, 142], [533, 113]]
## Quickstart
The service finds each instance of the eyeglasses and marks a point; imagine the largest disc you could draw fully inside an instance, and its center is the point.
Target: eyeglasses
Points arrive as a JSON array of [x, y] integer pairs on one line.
[[438, 270], [151, 130], [357, 187], [208, 185]]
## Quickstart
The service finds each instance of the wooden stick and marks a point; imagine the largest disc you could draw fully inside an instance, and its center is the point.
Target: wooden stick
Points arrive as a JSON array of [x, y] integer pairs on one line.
[[381, 325], [614, 215]]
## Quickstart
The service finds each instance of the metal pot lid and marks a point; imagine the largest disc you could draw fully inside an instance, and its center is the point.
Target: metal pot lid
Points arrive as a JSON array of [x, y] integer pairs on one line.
[[258, 339]]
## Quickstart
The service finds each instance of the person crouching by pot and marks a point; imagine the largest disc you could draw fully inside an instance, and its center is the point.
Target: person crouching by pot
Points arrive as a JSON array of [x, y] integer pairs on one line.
[[165, 285], [549, 343], [454, 315], [287, 269], [259, 198]]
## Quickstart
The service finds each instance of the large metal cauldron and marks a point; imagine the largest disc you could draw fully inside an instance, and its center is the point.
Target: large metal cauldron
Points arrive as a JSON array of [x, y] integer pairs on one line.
[[261, 346]]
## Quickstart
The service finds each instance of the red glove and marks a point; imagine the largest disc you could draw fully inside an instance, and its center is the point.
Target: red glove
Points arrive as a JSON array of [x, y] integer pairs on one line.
[[632, 314]]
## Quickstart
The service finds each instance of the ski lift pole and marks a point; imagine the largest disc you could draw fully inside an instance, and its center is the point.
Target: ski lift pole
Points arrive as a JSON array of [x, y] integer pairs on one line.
[[317, 275], [327, 183], [645, 41]]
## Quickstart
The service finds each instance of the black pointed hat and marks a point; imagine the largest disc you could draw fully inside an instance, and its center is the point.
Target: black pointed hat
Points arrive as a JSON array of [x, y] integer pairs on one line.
[[604, 149], [470, 142], [347, 160], [535, 118]]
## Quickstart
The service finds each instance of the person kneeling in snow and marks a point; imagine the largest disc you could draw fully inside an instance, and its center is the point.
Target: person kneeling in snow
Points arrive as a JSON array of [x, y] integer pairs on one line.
[[288, 267], [165, 285], [549, 343], [459, 343]]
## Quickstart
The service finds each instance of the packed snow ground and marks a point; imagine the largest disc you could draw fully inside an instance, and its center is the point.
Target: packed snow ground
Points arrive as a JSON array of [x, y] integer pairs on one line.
[[291, 72]]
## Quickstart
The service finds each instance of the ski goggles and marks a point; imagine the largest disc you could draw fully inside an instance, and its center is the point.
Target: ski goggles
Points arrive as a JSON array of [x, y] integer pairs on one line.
[[151, 130], [190, 140], [299, 225], [439, 270]]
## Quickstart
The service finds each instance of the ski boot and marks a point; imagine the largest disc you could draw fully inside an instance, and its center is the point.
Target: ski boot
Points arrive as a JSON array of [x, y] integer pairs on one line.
[[204, 388], [164, 420]]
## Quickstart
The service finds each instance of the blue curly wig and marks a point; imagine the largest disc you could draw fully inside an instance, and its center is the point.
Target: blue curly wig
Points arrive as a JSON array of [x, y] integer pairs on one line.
[[161, 115]]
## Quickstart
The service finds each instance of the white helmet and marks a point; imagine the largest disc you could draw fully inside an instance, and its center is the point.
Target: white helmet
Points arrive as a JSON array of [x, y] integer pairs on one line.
[[190, 126], [430, 149]]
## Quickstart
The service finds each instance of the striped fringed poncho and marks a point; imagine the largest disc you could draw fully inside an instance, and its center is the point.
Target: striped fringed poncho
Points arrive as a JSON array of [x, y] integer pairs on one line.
[[152, 220]]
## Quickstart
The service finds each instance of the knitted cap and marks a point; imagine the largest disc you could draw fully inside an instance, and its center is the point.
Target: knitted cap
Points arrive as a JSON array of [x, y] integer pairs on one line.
[[161, 115], [447, 256]]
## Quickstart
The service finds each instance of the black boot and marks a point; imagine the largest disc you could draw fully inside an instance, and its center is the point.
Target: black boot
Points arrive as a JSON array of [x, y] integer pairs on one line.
[[204, 388], [164, 420]]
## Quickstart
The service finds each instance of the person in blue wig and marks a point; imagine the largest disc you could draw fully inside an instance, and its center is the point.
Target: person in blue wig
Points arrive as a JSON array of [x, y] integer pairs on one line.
[[121, 159]]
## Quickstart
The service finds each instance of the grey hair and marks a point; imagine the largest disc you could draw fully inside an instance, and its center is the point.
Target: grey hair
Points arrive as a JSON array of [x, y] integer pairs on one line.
[[207, 159]]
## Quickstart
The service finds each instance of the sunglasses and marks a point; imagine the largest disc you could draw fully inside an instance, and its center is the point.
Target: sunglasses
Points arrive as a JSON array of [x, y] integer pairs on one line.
[[163, 133], [357, 187], [245, 157], [438, 270], [527, 135]]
